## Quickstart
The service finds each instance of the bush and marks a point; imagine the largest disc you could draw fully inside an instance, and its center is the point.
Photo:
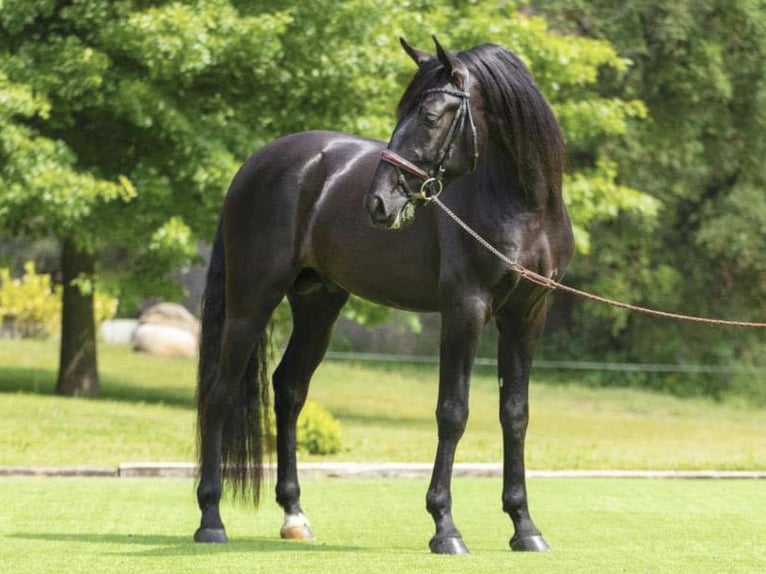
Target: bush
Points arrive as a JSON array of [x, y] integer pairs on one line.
[[30, 306], [318, 430]]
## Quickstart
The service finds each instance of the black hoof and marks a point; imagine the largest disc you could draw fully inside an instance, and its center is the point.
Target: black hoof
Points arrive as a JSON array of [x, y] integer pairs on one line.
[[534, 543], [217, 535], [451, 545]]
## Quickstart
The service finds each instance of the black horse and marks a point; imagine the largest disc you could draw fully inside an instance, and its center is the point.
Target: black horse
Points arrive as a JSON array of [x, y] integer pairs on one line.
[[305, 218]]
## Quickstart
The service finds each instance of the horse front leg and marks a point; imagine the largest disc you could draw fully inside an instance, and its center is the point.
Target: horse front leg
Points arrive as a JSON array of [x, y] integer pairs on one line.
[[461, 327], [517, 344]]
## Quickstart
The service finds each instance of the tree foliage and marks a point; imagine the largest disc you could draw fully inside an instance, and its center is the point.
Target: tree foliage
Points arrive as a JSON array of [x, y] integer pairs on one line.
[[122, 121], [700, 69]]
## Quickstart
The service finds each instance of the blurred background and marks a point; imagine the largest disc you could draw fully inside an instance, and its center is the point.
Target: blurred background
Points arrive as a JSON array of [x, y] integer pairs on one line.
[[123, 121]]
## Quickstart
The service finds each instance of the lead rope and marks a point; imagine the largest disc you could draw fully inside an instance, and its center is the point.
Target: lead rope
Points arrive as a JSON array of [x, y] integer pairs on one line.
[[552, 284]]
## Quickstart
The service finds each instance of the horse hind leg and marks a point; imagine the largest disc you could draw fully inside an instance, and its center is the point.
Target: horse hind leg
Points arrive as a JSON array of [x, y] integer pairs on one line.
[[240, 339], [314, 314]]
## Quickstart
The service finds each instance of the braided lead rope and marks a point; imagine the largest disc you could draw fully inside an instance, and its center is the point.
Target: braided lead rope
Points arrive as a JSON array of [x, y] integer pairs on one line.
[[552, 284]]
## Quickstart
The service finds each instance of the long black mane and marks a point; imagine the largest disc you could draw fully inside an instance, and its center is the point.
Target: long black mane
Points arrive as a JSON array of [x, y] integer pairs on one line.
[[520, 120]]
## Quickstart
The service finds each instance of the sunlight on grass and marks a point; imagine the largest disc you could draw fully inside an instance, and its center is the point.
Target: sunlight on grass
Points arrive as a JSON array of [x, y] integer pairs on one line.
[[147, 413], [596, 525]]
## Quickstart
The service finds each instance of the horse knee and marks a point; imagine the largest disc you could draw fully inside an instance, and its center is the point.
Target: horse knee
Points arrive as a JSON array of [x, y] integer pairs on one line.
[[515, 419], [451, 418]]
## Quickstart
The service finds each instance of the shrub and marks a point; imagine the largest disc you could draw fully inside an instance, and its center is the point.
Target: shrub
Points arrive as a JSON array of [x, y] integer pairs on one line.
[[318, 430], [30, 306]]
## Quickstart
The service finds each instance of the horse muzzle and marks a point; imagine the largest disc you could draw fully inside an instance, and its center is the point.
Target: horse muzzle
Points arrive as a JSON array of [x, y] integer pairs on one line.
[[387, 202], [393, 212]]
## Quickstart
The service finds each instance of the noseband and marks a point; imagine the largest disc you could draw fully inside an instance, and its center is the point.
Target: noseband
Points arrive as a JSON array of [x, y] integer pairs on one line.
[[433, 181]]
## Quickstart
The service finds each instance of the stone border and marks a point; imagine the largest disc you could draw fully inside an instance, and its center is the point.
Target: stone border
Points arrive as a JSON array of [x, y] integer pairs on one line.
[[368, 470], [91, 471]]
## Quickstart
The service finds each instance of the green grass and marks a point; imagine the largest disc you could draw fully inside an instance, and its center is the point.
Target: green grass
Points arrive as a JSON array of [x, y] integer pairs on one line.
[[147, 414], [593, 526]]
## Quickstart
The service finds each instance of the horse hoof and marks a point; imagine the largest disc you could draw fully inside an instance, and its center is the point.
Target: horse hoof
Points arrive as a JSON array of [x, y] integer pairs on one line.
[[534, 543], [296, 527], [451, 545], [297, 533], [217, 535]]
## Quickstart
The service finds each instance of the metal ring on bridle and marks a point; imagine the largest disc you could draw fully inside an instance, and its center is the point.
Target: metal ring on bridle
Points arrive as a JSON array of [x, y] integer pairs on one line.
[[429, 189]]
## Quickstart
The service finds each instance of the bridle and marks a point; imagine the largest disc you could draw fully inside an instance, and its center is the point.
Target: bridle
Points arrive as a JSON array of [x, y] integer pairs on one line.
[[433, 181]]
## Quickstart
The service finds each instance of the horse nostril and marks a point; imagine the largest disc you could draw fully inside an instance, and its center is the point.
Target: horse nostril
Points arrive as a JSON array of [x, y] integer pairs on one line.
[[380, 209], [376, 208]]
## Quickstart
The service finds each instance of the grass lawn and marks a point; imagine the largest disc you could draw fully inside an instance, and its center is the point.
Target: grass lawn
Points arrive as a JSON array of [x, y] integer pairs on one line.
[[594, 525], [58, 525], [386, 412]]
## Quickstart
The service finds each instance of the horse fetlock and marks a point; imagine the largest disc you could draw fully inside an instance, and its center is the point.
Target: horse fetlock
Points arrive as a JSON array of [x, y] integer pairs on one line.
[[439, 505]]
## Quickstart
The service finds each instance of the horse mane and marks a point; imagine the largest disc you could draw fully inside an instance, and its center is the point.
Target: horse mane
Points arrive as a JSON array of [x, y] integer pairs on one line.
[[520, 119]]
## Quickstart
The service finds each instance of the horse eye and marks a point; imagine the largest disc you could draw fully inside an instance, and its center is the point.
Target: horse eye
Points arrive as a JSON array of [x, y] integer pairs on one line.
[[428, 118]]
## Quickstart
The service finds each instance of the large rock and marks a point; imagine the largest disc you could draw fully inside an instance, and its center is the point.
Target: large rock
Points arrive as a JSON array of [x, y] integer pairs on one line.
[[118, 330], [168, 330]]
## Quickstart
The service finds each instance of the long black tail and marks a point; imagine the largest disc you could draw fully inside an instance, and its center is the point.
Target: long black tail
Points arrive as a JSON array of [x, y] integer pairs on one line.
[[245, 412]]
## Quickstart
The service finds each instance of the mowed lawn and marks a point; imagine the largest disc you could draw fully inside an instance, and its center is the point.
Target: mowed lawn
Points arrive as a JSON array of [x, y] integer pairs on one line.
[[147, 413], [60, 525], [74, 525]]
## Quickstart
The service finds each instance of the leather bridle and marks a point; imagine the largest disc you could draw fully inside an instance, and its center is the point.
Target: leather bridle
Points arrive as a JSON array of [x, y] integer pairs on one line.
[[433, 181]]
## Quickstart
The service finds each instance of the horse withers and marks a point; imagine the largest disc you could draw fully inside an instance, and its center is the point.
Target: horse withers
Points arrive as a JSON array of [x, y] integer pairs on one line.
[[309, 217]]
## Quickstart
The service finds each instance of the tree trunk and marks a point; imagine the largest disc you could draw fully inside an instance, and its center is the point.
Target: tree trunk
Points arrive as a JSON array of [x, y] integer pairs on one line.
[[78, 373]]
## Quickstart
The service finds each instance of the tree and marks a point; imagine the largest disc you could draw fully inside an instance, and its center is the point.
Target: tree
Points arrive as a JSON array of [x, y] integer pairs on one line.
[[332, 49], [700, 68], [123, 121], [117, 134]]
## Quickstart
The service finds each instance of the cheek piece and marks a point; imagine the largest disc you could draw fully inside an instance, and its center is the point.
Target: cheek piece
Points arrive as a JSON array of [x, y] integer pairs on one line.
[[433, 181]]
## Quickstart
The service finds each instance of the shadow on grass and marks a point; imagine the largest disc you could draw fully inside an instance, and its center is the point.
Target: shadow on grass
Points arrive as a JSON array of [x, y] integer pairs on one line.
[[184, 545], [118, 390], [43, 382], [387, 420], [25, 380]]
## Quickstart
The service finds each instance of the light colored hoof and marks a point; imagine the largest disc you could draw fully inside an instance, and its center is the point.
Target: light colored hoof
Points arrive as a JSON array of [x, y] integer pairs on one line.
[[296, 527]]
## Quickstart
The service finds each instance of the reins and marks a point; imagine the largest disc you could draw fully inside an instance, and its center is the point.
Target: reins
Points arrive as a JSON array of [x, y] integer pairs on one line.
[[552, 284]]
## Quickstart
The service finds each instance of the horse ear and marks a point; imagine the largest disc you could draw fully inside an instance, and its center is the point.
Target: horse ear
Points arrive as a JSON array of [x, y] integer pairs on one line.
[[453, 65], [418, 56]]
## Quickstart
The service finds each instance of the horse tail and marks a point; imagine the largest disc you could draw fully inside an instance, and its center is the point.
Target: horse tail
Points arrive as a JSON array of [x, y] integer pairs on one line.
[[246, 422]]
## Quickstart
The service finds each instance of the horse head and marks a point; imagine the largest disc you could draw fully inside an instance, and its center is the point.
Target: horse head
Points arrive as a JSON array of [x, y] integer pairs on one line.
[[434, 142]]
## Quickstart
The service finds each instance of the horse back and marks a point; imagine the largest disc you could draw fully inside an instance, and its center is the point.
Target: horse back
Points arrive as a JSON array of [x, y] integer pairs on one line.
[[272, 194], [298, 204]]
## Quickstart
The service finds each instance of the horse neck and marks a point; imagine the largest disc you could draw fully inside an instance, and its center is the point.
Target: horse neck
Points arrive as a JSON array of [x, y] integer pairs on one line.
[[501, 183]]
